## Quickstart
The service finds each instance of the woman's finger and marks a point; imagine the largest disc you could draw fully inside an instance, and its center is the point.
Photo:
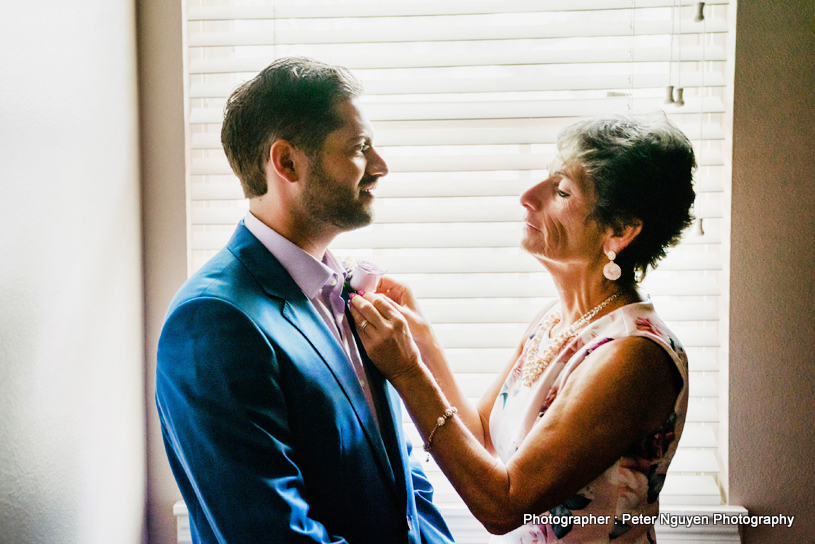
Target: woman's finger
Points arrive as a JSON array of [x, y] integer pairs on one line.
[[395, 291], [363, 310], [386, 283], [387, 308], [405, 310], [384, 334], [357, 317], [363, 325]]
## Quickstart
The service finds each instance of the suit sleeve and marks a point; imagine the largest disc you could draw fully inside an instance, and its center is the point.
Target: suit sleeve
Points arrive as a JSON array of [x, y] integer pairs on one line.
[[225, 422], [431, 524]]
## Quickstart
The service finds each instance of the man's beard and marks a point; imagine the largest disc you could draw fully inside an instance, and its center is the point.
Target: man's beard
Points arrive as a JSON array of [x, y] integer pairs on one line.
[[329, 202]]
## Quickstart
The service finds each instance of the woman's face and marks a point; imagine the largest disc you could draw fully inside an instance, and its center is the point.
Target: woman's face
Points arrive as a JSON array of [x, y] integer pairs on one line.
[[558, 225]]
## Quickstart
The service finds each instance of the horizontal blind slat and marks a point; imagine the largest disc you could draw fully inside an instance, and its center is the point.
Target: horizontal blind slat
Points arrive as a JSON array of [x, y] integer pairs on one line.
[[497, 236], [686, 460], [506, 83], [523, 312], [308, 10], [218, 165], [491, 56], [505, 110], [698, 435], [532, 108], [540, 285], [500, 335], [497, 131], [687, 489], [695, 435], [427, 211], [555, 82], [374, 34], [400, 185], [466, 132], [476, 384], [513, 311], [495, 359], [470, 261], [703, 410]]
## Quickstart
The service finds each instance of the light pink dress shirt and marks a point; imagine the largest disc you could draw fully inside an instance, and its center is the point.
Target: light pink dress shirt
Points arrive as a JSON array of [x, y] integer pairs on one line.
[[321, 283]]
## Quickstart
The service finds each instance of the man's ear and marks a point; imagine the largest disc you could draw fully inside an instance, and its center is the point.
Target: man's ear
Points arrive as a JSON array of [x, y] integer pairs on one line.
[[287, 161], [619, 238]]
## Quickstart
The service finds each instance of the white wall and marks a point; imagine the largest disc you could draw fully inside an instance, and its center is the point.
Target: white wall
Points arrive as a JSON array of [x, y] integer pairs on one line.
[[72, 446]]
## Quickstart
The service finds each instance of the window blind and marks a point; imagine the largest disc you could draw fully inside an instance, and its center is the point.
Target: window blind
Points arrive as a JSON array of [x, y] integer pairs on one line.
[[466, 99]]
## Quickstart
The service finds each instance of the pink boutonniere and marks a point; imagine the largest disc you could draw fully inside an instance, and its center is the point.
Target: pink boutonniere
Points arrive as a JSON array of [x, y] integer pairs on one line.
[[361, 276]]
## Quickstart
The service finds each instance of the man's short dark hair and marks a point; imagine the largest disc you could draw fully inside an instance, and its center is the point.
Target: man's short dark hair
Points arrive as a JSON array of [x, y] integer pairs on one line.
[[292, 99]]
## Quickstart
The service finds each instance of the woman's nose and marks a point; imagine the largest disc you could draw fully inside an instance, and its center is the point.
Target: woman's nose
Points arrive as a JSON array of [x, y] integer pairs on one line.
[[533, 196]]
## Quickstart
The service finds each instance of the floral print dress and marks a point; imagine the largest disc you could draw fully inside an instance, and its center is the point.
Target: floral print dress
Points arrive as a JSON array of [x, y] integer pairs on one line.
[[633, 483]]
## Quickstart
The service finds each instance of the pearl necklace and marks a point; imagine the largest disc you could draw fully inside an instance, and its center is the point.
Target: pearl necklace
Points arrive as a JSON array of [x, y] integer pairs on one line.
[[535, 362]]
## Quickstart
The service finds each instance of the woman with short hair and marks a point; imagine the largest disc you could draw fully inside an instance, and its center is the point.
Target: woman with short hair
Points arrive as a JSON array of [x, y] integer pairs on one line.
[[575, 436]]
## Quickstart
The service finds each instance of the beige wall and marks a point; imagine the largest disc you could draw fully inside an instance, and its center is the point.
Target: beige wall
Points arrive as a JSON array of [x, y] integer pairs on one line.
[[72, 447], [772, 327], [161, 89]]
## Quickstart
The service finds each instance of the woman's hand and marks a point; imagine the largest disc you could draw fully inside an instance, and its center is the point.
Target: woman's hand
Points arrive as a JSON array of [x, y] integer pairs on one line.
[[406, 303], [398, 292], [432, 355], [385, 333]]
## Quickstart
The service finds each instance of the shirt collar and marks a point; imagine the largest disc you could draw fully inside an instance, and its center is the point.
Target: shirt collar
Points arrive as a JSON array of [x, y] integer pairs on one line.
[[308, 273]]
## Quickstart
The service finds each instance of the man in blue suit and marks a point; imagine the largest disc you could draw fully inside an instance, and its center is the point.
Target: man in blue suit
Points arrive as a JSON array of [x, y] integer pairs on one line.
[[277, 427]]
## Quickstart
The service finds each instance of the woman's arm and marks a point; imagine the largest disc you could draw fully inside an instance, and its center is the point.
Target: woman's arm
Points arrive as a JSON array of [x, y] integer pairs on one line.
[[403, 300], [623, 391], [475, 417]]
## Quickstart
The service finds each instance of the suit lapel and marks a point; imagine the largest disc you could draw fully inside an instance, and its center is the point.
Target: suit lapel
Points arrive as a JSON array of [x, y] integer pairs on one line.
[[390, 416], [302, 315], [305, 318]]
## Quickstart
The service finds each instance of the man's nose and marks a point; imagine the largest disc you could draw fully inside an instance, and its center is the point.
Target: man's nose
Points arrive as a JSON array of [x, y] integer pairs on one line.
[[376, 164]]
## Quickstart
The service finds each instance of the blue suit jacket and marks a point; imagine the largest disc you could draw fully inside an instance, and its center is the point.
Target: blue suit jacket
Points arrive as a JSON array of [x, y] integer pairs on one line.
[[266, 427]]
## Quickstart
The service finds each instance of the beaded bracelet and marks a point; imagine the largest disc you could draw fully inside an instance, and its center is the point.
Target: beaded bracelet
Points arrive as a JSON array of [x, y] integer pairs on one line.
[[448, 413]]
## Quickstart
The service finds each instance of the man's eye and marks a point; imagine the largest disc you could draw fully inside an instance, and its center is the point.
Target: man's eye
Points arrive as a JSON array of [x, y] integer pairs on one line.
[[562, 194]]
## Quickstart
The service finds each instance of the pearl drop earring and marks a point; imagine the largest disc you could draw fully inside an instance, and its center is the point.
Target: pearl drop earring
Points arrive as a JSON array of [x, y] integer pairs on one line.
[[612, 270]]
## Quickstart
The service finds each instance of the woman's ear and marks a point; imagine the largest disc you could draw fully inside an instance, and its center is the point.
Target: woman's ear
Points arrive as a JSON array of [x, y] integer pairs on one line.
[[619, 238], [286, 161]]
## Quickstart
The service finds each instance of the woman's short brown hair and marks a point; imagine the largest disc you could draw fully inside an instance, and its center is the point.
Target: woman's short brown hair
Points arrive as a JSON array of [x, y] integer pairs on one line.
[[641, 167]]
